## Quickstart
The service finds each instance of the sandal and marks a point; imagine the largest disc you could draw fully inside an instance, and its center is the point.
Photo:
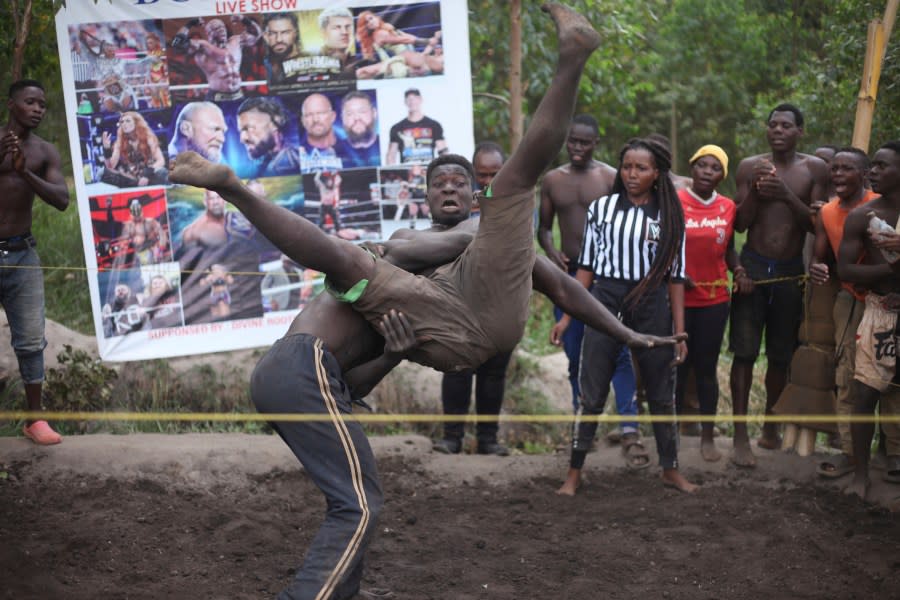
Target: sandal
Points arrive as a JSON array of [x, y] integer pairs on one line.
[[892, 469], [636, 456], [836, 466]]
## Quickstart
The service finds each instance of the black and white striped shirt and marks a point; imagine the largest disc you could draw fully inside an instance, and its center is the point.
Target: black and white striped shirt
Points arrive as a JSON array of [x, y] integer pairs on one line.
[[621, 240]]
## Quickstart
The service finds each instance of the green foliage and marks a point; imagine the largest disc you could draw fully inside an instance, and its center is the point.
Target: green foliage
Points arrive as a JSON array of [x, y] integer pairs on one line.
[[41, 63], [79, 383], [83, 383], [719, 65]]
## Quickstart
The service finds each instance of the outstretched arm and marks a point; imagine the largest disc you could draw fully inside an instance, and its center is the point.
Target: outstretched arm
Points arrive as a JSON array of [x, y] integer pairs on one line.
[[252, 31], [574, 299]]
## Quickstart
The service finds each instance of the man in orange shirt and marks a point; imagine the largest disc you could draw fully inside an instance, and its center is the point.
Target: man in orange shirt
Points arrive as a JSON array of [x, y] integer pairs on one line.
[[849, 167]]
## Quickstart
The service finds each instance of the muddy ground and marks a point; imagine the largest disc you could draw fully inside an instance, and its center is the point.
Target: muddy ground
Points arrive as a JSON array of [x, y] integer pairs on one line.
[[229, 516]]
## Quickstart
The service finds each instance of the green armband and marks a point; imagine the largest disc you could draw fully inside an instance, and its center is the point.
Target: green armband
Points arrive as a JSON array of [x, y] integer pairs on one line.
[[351, 295]]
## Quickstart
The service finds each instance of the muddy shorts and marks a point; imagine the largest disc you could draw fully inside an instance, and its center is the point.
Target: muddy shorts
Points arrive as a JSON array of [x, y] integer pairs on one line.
[[876, 345]]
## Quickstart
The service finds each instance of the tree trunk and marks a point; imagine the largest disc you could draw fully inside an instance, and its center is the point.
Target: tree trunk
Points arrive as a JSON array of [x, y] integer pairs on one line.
[[515, 75], [22, 18]]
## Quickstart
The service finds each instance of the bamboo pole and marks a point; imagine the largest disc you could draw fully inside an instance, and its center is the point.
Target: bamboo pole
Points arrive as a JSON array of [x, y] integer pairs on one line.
[[516, 124], [876, 43]]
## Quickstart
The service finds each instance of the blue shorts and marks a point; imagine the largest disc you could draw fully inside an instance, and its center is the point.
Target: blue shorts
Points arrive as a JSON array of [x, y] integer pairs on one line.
[[776, 308]]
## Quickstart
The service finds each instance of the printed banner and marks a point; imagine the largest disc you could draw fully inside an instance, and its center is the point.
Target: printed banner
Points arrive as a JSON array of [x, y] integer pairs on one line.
[[329, 109]]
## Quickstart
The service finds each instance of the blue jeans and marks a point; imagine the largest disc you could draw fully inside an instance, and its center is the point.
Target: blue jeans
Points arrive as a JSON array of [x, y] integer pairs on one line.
[[22, 297]]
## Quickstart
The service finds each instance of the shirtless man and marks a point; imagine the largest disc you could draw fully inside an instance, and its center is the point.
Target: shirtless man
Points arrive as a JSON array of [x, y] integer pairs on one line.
[[329, 199], [145, 236], [875, 380], [219, 55], [566, 193], [209, 228], [775, 192], [29, 167], [849, 168]]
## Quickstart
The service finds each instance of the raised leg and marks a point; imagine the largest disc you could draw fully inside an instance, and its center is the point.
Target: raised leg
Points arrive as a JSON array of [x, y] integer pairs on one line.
[[550, 123]]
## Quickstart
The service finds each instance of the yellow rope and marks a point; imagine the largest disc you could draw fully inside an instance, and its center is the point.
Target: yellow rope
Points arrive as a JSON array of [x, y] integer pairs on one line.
[[99, 270], [710, 284], [366, 417], [713, 285]]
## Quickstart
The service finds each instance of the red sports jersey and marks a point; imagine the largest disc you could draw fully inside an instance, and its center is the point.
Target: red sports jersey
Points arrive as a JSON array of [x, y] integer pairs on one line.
[[707, 230]]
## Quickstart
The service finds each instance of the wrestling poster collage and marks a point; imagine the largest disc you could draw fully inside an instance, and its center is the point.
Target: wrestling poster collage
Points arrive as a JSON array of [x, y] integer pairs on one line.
[[330, 112]]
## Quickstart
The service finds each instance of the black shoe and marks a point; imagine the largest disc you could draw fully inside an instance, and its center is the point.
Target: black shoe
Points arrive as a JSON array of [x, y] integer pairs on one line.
[[447, 446], [493, 448]]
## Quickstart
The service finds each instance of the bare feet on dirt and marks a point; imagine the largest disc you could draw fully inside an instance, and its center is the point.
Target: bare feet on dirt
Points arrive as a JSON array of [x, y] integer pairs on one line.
[[577, 37], [709, 452], [743, 456], [674, 479], [571, 484], [190, 168], [770, 440]]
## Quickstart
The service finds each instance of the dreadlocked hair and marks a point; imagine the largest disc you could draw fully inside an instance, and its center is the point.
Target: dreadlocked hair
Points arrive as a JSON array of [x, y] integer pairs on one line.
[[671, 216]]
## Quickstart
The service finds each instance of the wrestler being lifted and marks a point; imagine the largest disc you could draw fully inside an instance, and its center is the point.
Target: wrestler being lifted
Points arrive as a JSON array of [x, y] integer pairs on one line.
[[331, 354], [483, 294]]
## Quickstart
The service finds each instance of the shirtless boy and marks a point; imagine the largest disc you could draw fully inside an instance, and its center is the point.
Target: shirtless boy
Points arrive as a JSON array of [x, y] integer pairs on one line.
[[875, 381], [219, 55], [29, 167], [774, 194]]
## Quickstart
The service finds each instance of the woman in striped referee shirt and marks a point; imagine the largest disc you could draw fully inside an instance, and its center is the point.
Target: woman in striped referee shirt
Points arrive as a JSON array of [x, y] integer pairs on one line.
[[633, 255]]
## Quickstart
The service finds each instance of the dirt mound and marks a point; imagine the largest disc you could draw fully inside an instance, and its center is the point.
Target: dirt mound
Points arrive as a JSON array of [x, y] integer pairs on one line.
[[230, 516]]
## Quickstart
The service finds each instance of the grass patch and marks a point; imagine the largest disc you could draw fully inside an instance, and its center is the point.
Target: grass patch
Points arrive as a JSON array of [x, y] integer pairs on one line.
[[83, 383]]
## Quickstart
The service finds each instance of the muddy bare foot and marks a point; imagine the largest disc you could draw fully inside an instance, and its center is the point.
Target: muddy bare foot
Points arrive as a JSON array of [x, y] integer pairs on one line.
[[709, 452], [190, 168], [743, 456], [769, 441], [858, 487], [571, 484], [577, 37], [674, 479]]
